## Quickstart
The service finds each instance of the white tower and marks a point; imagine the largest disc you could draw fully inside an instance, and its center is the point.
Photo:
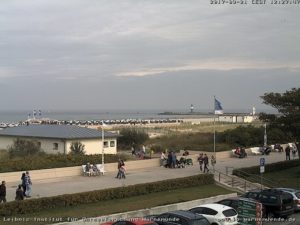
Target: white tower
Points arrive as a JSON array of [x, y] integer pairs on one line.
[[192, 108], [253, 111]]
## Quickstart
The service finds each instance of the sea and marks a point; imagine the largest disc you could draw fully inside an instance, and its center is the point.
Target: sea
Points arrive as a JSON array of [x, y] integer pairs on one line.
[[15, 116]]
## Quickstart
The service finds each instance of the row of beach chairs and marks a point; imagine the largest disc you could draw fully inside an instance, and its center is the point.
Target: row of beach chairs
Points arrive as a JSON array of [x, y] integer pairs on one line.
[[99, 170]]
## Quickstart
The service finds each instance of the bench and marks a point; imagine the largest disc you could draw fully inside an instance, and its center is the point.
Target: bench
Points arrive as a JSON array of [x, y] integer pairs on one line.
[[233, 153], [100, 168], [255, 151], [85, 173]]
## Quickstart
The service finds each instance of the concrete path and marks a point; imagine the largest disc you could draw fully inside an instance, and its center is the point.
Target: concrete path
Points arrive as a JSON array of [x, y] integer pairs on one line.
[[53, 187]]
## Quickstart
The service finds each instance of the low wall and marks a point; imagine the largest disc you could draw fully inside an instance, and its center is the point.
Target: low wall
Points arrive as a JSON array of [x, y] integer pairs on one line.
[[75, 171], [109, 167], [146, 212]]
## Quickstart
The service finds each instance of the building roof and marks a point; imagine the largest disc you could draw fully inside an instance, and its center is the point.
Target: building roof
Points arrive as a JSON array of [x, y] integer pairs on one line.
[[55, 131]]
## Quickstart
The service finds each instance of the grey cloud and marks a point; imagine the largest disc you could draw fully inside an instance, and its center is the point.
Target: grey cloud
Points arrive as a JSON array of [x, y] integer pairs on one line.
[[76, 49]]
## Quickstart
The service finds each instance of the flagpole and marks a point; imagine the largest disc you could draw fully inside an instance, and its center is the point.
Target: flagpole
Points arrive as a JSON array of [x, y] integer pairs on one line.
[[214, 127], [102, 145]]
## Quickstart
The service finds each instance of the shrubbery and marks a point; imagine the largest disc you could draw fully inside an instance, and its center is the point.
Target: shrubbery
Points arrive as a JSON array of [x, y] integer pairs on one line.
[[77, 148], [247, 136], [250, 136], [273, 167], [36, 205], [44, 161], [21, 148], [130, 137]]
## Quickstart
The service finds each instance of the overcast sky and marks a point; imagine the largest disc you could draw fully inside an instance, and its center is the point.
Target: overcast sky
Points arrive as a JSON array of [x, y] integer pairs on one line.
[[141, 54]]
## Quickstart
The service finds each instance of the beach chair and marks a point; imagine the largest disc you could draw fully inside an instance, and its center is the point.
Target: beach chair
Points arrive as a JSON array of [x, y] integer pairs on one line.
[[100, 168], [256, 151], [84, 172]]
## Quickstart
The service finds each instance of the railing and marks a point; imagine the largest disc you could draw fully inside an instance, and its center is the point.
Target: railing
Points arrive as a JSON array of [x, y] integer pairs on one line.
[[235, 182], [257, 179]]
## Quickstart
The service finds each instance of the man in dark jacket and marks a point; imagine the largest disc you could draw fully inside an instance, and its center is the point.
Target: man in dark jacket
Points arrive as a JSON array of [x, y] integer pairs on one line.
[[288, 152], [19, 193], [3, 192], [205, 160]]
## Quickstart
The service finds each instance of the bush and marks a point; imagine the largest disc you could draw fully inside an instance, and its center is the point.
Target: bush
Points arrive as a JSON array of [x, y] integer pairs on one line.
[[188, 141], [45, 161], [36, 205], [130, 137], [77, 148], [21, 148], [273, 167]]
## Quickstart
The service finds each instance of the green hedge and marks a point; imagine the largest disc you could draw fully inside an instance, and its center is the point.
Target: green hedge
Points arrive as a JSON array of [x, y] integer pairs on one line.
[[47, 161], [40, 204], [273, 167]]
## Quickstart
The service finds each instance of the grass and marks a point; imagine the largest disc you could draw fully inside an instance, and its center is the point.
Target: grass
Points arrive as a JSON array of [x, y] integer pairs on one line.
[[119, 205], [289, 177]]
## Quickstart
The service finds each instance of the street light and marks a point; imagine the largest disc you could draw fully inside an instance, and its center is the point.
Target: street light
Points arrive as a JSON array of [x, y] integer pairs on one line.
[[265, 136], [102, 128]]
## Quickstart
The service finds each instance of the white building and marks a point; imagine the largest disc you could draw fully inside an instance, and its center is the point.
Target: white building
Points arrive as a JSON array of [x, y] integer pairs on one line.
[[55, 139]]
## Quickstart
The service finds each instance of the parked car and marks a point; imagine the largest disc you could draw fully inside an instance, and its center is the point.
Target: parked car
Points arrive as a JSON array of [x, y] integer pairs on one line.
[[277, 203], [179, 217], [131, 222], [217, 214], [233, 202], [296, 196]]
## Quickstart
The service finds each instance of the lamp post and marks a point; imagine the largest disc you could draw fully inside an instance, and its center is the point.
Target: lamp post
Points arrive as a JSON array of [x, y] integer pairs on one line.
[[265, 136], [102, 128]]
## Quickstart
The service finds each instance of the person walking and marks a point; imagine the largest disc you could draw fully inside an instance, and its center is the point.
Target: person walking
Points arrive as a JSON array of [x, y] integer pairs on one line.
[[2, 192], [23, 183], [19, 193], [213, 162], [205, 161], [200, 160], [28, 184], [173, 159], [122, 172], [162, 159], [120, 165], [288, 153]]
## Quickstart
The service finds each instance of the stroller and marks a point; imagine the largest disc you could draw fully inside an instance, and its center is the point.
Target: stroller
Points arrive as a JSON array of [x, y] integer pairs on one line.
[[181, 163], [188, 162]]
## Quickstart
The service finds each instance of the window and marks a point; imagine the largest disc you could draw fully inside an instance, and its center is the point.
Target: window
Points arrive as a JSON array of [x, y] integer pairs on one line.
[[198, 210], [229, 213], [208, 211], [112, 144], [105, 144], [55, 146]]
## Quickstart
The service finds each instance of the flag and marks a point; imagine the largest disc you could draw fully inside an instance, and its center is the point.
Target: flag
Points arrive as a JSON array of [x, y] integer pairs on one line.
[[218, 107]]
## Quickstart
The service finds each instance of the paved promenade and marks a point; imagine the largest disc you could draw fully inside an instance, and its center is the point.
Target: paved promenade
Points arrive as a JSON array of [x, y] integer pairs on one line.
[[53, 187]]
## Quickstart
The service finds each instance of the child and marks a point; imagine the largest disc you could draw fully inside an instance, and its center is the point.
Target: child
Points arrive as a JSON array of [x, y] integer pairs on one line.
[[122, 172]]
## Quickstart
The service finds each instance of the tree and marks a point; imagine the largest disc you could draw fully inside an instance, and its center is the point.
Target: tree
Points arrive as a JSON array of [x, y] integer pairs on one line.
[[132, 136], [21, 147], [77, 148], [288, 106]]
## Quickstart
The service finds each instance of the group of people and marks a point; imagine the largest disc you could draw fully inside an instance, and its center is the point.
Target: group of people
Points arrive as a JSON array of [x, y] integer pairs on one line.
[[23, 190], [204, 162], [139, 153], [240, 152], [91, 169], [171, 161]]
